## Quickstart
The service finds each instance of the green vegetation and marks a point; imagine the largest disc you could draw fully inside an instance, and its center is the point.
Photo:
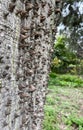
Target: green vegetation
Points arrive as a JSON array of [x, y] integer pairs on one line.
[[50, 118], [74, 120], [65, 80], [72, 24], [64, 103], [64, 59]]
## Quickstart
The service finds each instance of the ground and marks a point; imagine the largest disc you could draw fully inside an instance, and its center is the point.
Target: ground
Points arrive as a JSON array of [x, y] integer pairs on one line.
[[64, 106]]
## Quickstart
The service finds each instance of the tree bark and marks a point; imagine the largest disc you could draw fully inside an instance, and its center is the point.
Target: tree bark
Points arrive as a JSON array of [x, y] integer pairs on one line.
[[27, 32]]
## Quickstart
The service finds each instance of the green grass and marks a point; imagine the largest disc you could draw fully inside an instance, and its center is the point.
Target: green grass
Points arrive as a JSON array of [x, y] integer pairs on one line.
[[50, 118], [50, 100], [75, 121], [63, 108], [65, 80]]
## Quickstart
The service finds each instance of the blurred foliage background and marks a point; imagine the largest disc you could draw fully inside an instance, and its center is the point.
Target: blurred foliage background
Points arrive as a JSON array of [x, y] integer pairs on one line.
[[68, 47], [64, 59]]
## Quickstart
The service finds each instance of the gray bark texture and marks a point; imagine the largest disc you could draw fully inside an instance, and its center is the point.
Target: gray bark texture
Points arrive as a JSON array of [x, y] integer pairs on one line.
[[27, 31]]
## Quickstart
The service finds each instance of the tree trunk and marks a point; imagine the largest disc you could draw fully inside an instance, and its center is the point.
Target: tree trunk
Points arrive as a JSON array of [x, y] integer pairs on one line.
[[27, 31]]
